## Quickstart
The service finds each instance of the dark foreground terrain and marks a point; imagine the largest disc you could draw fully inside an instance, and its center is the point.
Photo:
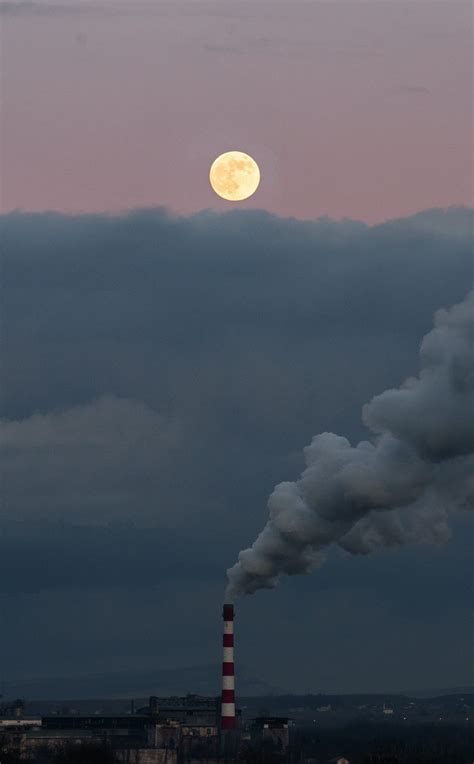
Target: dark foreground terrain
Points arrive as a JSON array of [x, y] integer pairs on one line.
[[310, 729], [367, 742], [359, 743]]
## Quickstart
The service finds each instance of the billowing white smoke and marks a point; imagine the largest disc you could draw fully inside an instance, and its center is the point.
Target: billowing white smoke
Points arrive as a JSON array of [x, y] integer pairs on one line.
[[399, 487]]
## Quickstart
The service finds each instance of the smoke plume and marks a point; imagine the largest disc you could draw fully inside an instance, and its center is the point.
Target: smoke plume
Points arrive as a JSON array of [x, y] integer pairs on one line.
[[397, 488]]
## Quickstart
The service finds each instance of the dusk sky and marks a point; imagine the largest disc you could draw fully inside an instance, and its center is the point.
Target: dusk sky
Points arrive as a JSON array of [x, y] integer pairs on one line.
[[352, 109], [167, 355]]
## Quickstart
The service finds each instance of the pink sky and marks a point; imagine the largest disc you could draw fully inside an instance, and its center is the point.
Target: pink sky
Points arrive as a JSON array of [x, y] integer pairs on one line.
[[359, 109]]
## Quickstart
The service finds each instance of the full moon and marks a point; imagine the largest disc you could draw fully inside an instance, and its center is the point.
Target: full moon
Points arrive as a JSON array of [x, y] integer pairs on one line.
[[234, 176]]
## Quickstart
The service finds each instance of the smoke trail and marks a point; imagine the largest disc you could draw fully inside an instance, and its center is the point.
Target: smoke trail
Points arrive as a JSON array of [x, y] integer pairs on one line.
[[399, 487]]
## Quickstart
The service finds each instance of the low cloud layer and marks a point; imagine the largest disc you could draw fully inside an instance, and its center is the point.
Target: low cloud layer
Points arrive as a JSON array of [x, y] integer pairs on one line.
[[159, 376], [85, 463], [167, 369], [398, 488]]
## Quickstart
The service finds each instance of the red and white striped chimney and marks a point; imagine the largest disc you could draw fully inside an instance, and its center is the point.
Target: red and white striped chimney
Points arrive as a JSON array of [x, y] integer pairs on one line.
[[228, 674]]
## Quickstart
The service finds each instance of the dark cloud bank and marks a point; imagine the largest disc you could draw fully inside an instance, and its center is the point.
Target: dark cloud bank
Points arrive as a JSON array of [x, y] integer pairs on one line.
[[160, 377]]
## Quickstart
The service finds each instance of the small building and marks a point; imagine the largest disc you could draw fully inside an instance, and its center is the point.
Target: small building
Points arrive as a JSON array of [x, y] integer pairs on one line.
[[271, 732], [120, 730], [167, 729], [166, 736], [195, 710], [11, 723], [41, 739]]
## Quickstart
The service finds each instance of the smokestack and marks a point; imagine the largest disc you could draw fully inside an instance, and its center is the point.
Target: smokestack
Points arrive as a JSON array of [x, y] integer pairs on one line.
[[228, 674]]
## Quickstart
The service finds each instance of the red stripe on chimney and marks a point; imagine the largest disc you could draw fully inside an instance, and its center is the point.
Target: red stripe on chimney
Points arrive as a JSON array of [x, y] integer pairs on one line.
[[228, 696], [227, 669], [228, 640], [228, 613], [228, 722]]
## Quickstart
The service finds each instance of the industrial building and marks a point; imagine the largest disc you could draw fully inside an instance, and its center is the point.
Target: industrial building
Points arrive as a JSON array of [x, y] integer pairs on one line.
[[270, 733], [168, 730], [190, 709]]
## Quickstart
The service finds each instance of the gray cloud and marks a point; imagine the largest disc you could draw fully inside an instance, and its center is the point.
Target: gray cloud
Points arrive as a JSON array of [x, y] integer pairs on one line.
[[159, 347], [159, 375], [84, 462]]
